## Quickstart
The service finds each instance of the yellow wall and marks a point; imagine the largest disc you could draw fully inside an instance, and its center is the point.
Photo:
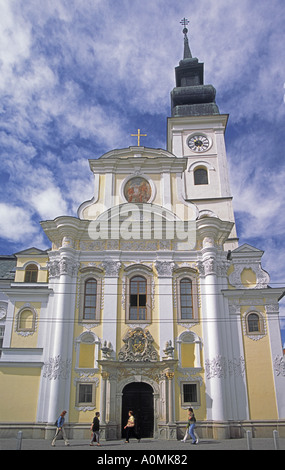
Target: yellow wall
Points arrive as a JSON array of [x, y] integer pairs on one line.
[[259, 373], [19, 388], [187, 354], [86, 357], [30, 341]]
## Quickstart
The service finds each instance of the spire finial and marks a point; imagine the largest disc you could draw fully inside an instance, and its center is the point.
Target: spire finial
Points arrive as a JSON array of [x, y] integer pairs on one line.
[[187, 52]]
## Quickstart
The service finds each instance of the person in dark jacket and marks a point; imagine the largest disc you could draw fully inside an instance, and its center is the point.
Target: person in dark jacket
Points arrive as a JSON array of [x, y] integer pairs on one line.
[[95, 428]]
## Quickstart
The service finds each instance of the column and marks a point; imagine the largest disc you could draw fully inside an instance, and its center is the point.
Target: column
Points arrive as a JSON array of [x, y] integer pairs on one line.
[[171, 413], [171, 425], [55, 384], [104, 376], [214, 357]]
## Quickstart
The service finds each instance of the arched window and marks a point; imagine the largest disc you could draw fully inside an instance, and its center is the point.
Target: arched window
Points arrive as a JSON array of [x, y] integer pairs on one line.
[[138, 298], [253, 323], [26, 321], [90, 299], [31, 273], [200, 176], [186, 304]]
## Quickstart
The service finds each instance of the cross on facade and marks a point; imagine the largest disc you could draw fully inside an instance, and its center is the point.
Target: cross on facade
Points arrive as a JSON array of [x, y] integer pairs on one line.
[[139, 135]]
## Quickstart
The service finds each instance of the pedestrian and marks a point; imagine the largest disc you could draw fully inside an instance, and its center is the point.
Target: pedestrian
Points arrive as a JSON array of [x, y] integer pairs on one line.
[[130, 428], [187, 431], [95, 429], [60, 427], [192, 425]]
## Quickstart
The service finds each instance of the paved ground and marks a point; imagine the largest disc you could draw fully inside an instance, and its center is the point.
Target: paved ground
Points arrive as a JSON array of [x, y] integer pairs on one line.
[[111, 448]]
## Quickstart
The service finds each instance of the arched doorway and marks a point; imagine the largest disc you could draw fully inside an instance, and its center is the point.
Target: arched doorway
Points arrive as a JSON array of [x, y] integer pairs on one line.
[[138, 397]]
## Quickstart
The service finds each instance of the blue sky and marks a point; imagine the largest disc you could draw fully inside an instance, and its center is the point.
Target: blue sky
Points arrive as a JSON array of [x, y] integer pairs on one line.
[[78, 77]]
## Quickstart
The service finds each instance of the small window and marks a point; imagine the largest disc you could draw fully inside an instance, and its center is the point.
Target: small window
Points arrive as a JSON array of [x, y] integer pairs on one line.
[[85, 393], [186, 305], [90, 299], [200, 176], [138, 298], [190, 393], [31, 273], [253, 323]]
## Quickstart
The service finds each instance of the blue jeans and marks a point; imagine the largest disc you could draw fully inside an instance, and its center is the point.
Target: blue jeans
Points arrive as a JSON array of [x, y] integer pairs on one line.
[[191, 432]]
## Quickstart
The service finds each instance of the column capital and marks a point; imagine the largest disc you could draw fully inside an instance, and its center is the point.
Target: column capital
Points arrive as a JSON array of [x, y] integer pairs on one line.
[[105, 375], [111, 268], [63, 265], [169, 375], [164, 268]]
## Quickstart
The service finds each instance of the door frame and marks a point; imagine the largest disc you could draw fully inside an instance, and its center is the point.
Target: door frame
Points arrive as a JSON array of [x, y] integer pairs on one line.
[[145, 388], [119, 401]]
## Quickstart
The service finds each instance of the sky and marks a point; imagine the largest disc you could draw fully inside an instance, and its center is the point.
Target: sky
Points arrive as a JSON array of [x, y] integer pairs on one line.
[[78, 77]]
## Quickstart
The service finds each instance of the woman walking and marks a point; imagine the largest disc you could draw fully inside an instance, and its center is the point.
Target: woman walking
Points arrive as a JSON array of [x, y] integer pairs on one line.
[[59, 427], [187, 433], [130, 428], [192, 425]]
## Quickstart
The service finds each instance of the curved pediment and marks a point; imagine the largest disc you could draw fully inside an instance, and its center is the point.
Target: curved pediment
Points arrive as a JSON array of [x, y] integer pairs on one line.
[[137, 152]]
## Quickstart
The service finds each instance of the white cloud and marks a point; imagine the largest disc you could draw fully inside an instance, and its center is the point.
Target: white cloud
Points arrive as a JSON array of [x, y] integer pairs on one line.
[[49, 203], [16, 223]]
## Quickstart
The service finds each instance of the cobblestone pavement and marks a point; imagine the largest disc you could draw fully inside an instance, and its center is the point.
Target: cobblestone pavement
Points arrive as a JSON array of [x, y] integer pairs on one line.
[[161, 446]]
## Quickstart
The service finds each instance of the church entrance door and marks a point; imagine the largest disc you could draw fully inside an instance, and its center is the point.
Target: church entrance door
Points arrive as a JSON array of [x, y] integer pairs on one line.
[[138, 397]]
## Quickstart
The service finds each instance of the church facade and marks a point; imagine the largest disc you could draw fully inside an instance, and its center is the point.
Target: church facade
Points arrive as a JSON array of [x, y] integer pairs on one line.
[[146, 300]]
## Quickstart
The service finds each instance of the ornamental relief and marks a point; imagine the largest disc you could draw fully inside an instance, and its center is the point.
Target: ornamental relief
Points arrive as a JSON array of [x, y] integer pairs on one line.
[[279, 365], [262, 277], [3, 310], [138, 347], [220, 367], [57, 368]]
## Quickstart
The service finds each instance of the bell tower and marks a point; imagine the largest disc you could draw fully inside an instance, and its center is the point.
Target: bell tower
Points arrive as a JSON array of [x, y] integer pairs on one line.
[[196, 130]]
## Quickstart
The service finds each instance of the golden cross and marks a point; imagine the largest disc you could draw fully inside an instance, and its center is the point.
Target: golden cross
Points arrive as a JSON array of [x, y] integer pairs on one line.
[[139, 135]]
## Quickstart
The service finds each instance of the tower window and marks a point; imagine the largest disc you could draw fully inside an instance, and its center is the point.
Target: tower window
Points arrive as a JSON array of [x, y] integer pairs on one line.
[[200, 176], [253, 323]]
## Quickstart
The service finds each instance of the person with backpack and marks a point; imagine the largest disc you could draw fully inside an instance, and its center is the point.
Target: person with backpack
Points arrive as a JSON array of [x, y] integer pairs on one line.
[[59, 427]]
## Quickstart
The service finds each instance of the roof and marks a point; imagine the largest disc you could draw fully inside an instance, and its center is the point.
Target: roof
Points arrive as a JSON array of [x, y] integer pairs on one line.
[[7, 266]]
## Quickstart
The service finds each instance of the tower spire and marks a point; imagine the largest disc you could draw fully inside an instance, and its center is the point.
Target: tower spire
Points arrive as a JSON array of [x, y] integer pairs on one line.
[[187, 52], [191, 97]]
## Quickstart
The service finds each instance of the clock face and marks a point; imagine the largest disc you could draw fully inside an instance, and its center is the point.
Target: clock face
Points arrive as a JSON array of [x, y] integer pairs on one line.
[[198, 143]]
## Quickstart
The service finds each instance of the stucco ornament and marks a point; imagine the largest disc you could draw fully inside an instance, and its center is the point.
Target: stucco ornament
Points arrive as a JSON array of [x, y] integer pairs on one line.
[[138, 347]]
